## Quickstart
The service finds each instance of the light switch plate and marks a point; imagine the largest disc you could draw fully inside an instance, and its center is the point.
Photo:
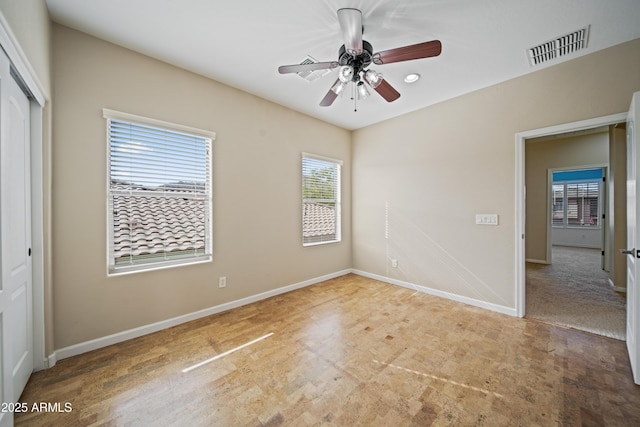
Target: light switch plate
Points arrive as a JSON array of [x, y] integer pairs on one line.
[[487, 219]]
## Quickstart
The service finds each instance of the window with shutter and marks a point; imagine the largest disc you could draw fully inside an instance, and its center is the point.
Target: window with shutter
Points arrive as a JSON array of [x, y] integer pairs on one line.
[[558, 204], [320, 200], [158, 193], [576, 202]]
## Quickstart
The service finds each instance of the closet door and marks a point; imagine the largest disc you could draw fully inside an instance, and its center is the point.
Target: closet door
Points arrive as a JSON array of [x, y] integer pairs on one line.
[[16, 318]]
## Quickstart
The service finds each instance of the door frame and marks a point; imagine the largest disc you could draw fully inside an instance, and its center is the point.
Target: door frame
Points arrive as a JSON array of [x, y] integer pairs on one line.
[[31, 84], [520, 191]]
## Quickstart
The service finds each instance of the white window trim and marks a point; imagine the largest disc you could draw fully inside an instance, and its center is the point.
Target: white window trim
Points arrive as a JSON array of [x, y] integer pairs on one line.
[[340, 163], [111, 270], [118, 115]]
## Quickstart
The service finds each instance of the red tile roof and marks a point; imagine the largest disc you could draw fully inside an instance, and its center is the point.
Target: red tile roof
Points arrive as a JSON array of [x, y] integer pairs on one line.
[[154, 224], [150, 224], [318, 222]]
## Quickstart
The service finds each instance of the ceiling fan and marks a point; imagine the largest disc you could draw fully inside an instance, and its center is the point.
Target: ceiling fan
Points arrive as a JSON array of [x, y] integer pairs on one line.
[[356, 54]]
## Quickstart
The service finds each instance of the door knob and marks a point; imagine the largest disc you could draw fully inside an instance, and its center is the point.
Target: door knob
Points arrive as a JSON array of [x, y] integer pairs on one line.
[[632, 252]]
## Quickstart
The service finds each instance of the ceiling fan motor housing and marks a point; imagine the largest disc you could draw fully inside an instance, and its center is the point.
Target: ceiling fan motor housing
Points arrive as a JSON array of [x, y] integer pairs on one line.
[[359, 62]]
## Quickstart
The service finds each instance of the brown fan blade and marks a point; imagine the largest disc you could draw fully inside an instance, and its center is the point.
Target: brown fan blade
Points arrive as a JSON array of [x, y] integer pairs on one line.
[[297, 68], [407, 53], [351, 26], [387, 91], [329, 97]]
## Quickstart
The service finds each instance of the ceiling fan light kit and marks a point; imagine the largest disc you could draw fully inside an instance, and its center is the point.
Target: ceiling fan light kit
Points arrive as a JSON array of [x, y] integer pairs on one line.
[[345, 74], [373, 78], [363, 92], [338, 87], [356, 54]]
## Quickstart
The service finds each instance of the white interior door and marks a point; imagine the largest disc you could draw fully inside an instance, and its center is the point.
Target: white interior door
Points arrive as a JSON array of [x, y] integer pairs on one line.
[[633, 237], [16, 318]]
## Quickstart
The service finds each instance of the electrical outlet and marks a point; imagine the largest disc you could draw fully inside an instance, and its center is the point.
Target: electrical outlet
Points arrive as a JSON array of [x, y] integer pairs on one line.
[[394, 263], [222, 282]]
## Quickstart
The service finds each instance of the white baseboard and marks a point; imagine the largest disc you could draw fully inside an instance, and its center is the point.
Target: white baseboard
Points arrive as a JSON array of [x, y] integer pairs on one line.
[[97, 343], [51, 360], [537, 261], [466, 300], [617, 288]]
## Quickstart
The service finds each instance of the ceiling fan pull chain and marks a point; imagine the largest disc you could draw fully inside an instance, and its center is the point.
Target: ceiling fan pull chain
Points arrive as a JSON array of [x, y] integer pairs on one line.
[[355, 99]]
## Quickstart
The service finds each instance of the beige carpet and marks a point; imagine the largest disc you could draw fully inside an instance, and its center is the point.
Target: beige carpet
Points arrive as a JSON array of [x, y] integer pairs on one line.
[[575, 292]]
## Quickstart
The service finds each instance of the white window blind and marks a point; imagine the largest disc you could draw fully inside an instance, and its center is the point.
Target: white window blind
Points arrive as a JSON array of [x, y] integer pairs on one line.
[[582, 203], [320, 200], [159, 195], [576, 204], [558, 204]]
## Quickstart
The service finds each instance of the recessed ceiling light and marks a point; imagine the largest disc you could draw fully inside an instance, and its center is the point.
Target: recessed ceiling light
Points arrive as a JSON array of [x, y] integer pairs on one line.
[[412, 78]]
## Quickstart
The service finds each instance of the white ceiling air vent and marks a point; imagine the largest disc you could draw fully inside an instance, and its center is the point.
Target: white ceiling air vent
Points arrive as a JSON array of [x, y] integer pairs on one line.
[[312, 75], [559, 46]]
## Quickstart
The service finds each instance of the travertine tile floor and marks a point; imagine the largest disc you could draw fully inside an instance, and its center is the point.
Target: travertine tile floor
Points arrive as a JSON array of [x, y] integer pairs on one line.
[[349, 351]]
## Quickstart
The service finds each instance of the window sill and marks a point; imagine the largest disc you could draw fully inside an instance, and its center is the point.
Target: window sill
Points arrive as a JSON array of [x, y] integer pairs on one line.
[[113, 272], [306, 245]]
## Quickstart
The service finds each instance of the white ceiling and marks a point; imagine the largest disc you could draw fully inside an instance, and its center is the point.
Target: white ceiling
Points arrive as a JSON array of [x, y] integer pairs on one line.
[[242, 43]]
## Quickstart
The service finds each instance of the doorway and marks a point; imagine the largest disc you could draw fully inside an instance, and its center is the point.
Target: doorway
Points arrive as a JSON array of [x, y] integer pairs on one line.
[[543, 251], [567, 279]]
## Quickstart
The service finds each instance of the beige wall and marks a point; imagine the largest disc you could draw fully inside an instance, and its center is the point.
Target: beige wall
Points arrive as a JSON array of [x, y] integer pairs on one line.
[[257, 190], [419, 179], [543, 154]]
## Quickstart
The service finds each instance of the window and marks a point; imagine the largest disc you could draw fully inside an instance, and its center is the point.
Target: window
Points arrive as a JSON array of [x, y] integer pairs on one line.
[[158, 193], [320, 200], [558, 216], [576, 198]]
